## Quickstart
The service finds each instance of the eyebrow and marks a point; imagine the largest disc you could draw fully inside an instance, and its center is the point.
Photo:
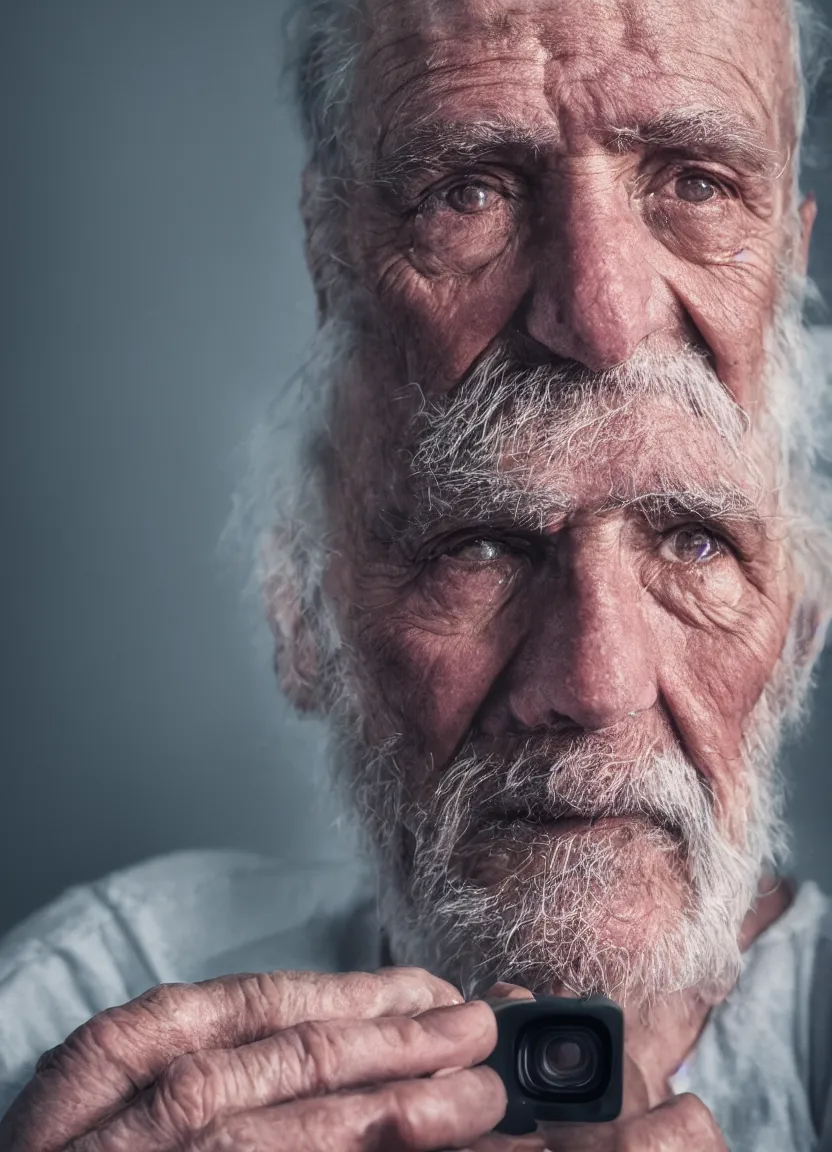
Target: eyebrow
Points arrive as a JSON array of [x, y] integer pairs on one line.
[[712, 132], [726, 505], [439, 144], [699, 132]]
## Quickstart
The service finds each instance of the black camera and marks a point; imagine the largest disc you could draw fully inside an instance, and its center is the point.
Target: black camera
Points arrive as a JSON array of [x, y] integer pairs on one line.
[[560, 1060]]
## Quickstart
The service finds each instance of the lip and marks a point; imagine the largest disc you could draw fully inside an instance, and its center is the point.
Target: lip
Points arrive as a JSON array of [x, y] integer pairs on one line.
[[576, 823], [569, 822], [558, 824]]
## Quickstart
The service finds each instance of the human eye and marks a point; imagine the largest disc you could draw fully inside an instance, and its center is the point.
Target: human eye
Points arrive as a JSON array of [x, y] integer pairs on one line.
[[469, 197], [697, 212], [696, 187], [691, 545], [468, 575], [480, 551], [462, 225], [472, 559]]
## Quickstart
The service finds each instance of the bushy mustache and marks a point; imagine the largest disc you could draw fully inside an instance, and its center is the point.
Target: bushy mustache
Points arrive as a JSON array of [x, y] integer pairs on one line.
[[586, 776], [506, 405]]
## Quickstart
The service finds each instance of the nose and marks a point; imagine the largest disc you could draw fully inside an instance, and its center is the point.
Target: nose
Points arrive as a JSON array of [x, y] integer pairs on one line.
[[595, 297], [590, 657]]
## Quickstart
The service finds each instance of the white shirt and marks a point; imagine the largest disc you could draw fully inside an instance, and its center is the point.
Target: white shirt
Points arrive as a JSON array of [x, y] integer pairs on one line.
[[763, 1063]]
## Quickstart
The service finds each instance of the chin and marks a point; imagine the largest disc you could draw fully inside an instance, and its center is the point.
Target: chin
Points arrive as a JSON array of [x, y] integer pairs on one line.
[[618, 886]]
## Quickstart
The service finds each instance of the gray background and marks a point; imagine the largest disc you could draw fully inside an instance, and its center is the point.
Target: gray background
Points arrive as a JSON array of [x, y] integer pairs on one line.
[[153, 296]]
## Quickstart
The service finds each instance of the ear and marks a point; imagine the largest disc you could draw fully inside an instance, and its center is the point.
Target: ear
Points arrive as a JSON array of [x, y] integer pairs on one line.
[[296, 662], [296, 665], [807, 212], [810, 633], [312, 246], [295, 658], [326, 259]]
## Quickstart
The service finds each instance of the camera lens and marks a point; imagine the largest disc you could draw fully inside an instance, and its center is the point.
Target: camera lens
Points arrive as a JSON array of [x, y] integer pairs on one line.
[[556, 1059], [568, 1060]]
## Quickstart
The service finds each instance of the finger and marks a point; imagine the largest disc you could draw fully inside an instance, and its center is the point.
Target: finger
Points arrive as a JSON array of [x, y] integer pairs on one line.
[[410, 1116], [635, 1099], [497, 1143], [584, 1138], [504, 991], [676, 1126], [119, 1052], [313, 1059], [681, 1124]]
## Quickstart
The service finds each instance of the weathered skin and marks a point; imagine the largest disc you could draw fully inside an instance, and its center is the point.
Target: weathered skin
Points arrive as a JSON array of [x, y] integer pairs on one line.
[[592, 252], [255, 1062], [592, 244], [590, 248]]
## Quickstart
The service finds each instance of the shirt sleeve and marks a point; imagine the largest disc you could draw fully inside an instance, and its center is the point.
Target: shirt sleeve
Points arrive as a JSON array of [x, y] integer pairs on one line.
[[49, 986]]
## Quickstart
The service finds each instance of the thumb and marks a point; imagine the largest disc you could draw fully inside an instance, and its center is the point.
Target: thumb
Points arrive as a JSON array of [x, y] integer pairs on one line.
[[636, 1100], [504, 991]]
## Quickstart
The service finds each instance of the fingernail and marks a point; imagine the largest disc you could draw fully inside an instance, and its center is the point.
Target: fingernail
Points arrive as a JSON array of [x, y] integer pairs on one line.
[[446, 1072], [461, 1021], [504, 991]]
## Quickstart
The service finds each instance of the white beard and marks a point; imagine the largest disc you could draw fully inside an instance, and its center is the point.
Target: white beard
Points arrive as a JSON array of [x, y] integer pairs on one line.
[[650, 906]]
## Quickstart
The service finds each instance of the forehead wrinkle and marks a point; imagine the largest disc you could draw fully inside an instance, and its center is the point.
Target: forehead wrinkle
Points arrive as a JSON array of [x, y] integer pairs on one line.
[[422, 55], [434, 143], [661, 38], [427, 50]]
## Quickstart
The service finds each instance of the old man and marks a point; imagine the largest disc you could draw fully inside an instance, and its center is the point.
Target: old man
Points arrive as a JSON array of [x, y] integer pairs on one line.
[[554, 563]]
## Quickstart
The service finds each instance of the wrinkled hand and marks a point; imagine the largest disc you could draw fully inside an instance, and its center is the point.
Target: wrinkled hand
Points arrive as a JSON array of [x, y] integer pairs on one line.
[[260, 1063], [680, 1124]]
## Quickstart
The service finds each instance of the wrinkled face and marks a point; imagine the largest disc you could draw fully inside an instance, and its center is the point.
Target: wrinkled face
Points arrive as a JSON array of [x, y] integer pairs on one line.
[[596, 176], [593, 585], [565, 632], [633, 572]]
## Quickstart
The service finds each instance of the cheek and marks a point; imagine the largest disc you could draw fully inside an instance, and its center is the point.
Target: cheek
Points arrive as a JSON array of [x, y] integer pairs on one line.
[[708, 234], [432, 679], [446, 322], [712, 676], [732, 304], [724, 677]]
